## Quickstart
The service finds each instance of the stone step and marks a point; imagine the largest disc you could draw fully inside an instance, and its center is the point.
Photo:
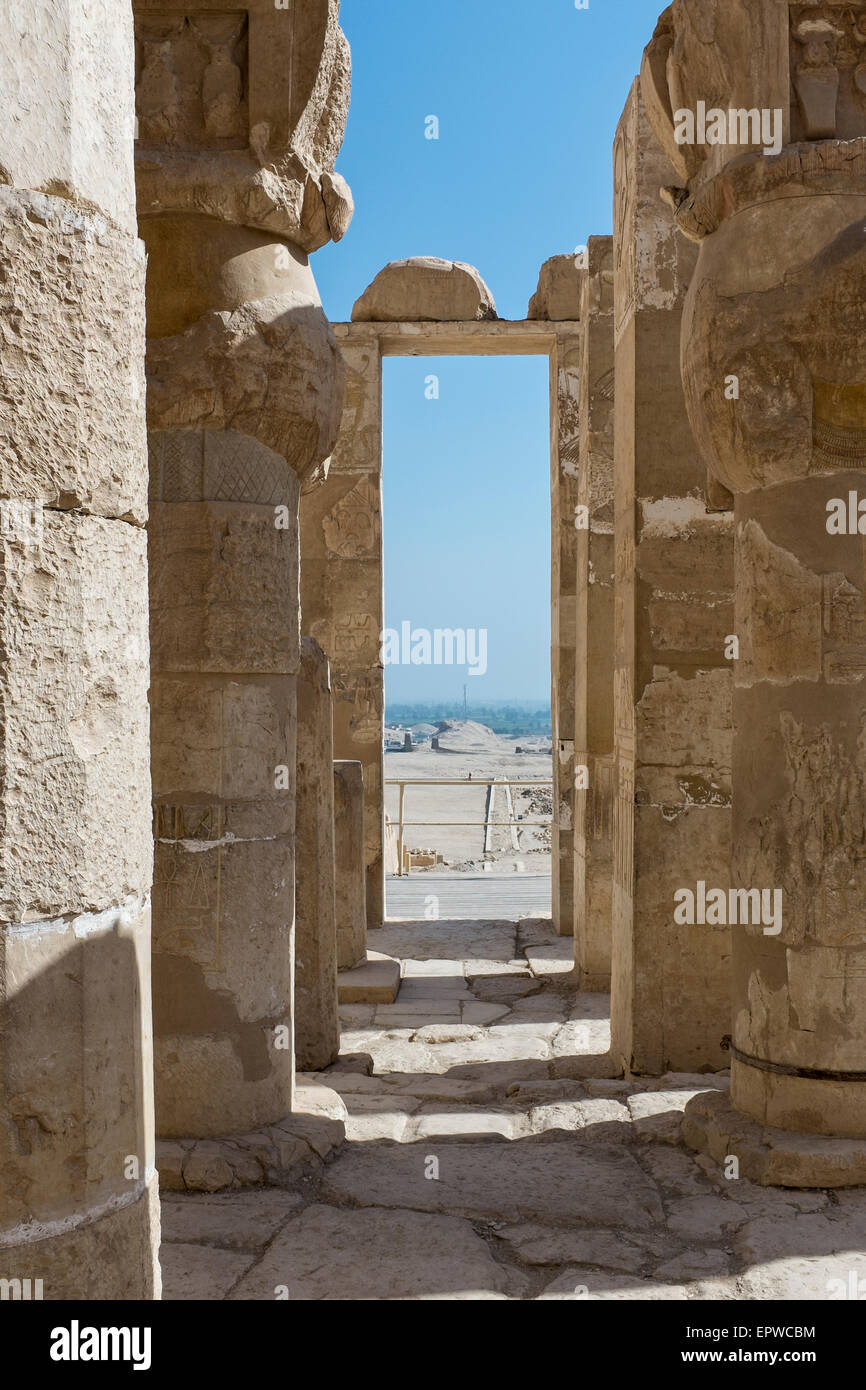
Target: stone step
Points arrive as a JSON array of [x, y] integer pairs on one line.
[[375, 982]]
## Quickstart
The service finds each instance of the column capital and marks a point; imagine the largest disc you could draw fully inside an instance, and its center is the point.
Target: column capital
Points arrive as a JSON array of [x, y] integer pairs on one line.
[[241, 114]]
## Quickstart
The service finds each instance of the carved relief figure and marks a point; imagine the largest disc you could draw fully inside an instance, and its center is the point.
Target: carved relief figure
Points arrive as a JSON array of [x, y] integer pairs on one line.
[[157, 94], [221, 94], [816, 76]]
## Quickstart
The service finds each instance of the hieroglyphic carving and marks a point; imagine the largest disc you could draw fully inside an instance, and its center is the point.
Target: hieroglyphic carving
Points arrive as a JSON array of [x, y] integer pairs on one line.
[[816, 849], [351, 529]]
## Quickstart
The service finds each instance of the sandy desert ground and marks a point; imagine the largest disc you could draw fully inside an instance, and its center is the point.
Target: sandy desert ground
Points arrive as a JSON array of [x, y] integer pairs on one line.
[[471, 750]]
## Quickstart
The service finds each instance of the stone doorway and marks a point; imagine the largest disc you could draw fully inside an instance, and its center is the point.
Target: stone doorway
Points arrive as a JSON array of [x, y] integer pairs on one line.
[[429, 309]]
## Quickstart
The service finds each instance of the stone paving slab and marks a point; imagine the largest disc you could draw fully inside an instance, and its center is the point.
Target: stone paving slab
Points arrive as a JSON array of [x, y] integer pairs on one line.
[[200, 1272], [580, 1184], [332, 1254], [235, 1220], [557, 1180]]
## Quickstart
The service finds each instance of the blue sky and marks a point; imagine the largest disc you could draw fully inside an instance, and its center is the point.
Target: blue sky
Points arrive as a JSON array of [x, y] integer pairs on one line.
[[527, 97]]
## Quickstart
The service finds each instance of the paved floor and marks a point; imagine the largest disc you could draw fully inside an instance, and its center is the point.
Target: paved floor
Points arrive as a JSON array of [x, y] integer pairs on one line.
[[491, 1155], [463, 897]]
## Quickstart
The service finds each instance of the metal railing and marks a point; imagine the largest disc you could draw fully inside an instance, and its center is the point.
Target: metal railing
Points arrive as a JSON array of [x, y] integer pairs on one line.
[[513, 823]]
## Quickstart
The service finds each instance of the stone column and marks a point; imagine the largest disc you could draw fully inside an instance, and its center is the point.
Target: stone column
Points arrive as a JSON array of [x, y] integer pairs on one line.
[[565, 365], [594, 647], [350, 867], [774, 365], [317, 1026], [557, 299], [78, 1194], [673, 611], [240, 119], [342, 594]]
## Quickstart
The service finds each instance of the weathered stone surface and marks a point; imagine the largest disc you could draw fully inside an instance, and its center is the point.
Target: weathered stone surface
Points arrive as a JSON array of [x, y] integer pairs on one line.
[[376, 981], [219, 572], [317, 1028], [594, 623], [267, 369], [516, 1182], [448, 1033], [595, 1119], [558, 295], [542, 1245], [71, 990], [376, 1118], [784, 428], [581, 1282], [258, 147], [73, 286], [55, 139], [233, 1221], [553, 958], [73, 631], [425, 289], [342, 595], [361, 1255], [201, 1272], [436, 1122], [672, 694], [113, 1256], [350, 875], [767, 1155]]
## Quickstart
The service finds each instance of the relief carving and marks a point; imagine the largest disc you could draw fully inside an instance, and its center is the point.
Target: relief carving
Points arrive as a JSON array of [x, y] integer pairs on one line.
[[191, 79], [814, 844], [352, 528], [828, 71]]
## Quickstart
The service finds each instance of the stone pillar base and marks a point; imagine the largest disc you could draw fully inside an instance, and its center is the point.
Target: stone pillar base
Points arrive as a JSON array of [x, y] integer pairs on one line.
[[111, 1255], [771, 1157], [278, 1155], [589, 983]]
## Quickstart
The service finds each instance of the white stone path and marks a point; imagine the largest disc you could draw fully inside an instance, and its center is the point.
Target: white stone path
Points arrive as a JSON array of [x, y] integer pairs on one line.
[[555, 1180]]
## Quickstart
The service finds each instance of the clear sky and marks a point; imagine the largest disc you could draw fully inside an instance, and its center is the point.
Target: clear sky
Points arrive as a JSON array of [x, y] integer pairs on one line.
[[527, 95]]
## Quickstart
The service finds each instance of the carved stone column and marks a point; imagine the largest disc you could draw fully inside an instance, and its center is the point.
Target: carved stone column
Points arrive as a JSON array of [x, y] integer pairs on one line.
[[350, 867], [342, 593], [670, 1000], [317, 1030], [557, 300], [241, 117], [594, 649], [774, 366], [79, 1216]]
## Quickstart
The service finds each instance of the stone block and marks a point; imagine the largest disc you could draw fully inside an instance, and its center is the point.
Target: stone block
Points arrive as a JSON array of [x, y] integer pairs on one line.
[[425, 289]]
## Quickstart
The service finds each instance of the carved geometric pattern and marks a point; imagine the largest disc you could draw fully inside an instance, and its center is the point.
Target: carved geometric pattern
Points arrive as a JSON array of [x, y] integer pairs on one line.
[[181, 470], [239, 469]]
